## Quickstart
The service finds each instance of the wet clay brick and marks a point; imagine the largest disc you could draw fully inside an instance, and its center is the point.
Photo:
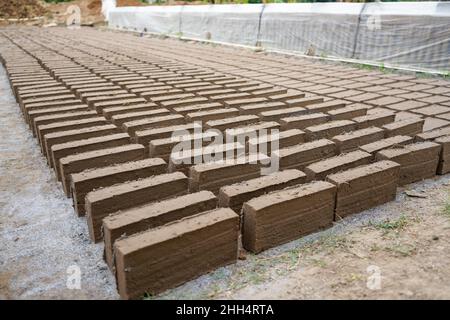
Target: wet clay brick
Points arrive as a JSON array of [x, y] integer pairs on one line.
[[153, 215], [102, 202], [418, 160], [321, 169], [235, 195], [97, 159], [364, 187], [88, 180], [350, 141], [165, 257], [286, 215]]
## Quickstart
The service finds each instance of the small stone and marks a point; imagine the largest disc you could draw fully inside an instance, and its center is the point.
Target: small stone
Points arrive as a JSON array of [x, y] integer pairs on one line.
[[435, 238]]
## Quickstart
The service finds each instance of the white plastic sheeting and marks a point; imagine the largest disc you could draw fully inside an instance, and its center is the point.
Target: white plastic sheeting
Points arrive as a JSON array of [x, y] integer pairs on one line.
[[107, 6], [415, 34]]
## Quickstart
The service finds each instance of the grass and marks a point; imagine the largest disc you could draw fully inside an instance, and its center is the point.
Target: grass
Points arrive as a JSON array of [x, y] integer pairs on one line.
[[446, 209], [389, 225]]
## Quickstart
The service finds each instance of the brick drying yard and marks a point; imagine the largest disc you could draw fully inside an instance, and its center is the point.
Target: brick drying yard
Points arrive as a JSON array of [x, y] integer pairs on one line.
[[88, 115]]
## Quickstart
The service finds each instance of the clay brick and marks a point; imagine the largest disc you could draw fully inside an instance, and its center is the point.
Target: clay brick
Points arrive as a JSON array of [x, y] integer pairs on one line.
[[212, 114], [54, 111], [321, 169], [59, 151], [376, 119], [121, 118], [326, 106], [407, 127], [303, 102], [161, 95], [376, 146], [350, 141], [102, 202], [198, 107], [97, 159], [285, 139], [88, 180], [235, 195], [276, 115], [364, 187], [170, 104], [349, 112], [152, 122], [45, 129], [444, 158], [233, 122], [214, 175], [304, 121], [302, 155], [269, 92], [289, 95], [67, 116], [145, 136], [182, 250], [153, 215], [171, 97], [259, 107], [329, 129], [229, 96], [92, 101], [77, 134], [99, 106], [430, 135], [247, 132], [286, 215], [418, 160], [237, 103]]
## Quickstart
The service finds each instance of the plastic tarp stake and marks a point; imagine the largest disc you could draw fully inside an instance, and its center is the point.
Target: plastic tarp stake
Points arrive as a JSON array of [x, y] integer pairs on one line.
[[414, 34]]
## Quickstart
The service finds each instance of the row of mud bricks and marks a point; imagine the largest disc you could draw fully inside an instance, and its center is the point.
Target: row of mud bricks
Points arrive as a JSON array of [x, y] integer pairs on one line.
[[103, 110]]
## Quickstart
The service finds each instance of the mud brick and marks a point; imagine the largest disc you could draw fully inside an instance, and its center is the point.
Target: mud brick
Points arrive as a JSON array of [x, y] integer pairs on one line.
[[165, 257], [242, 102], [47, 100], [235, 195], [304, 121], [286, 215], [364, 187], [153, 215], [90, 97], [213, 91], [198, 107], [256, 108], [230, 81], [303, 102], [330, 129], [285, 139], [418, 160], [214, 175], [166, 97], [198, 83], [42, 130], [348, 112], [170, 104], [162, 148], [302, 155], [145, 136], [67, 116], [269, 92], [244, 133], [390, 142], [212, 114], [94, 88], [184, 159], [350, 141], [161, 95], [99, 106], [102, 202], [152, 122], [45, 105], [229, 96], [375, 119], [97, 159], [38, 93], [54, 111], [258, 87], [120, 119], [444, 158], [77, 134], [289, 95], [321, 169], [154, 88], [88, 180], [406, 127], [276, 115], [326, 106], [228, 123], [111, 111], [58, 151]]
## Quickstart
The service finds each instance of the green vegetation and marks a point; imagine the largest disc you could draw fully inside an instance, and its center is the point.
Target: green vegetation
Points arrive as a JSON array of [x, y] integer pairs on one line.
[[388, 225]]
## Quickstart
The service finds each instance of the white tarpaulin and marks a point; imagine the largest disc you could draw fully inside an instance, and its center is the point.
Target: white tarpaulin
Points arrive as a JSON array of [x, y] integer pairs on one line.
[[413, 34]]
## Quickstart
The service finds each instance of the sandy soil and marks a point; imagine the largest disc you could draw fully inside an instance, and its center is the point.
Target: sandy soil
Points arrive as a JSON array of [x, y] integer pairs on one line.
[[406, 241]]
